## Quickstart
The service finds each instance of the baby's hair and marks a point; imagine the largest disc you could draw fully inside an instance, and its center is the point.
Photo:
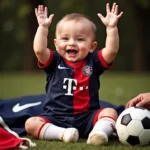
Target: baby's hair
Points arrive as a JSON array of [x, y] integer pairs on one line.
[[78, 17]]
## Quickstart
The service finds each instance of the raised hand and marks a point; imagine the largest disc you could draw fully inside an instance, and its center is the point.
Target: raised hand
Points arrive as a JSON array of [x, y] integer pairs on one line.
[[112, 16], [41, 13]]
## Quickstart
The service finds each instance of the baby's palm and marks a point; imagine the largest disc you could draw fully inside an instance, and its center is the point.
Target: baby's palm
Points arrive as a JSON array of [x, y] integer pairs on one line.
[[112, 16], [110, 20], [41, 14]]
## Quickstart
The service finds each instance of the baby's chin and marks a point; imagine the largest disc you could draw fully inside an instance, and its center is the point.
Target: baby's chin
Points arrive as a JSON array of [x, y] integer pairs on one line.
[[72, 60]]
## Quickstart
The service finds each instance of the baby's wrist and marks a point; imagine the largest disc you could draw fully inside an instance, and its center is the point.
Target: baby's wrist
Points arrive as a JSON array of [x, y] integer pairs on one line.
[[111, 28], [43, 27]]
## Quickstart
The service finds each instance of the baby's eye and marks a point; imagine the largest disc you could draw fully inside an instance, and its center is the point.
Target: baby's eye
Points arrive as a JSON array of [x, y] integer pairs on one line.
[[80, 39], [65, 38]]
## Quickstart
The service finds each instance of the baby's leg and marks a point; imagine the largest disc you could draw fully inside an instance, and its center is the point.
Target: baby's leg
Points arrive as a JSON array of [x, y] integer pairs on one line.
[[103, 128], [42, 129]]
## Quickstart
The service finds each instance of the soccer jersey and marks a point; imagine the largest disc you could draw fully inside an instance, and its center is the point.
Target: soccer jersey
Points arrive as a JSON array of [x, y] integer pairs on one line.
[[72, 88]]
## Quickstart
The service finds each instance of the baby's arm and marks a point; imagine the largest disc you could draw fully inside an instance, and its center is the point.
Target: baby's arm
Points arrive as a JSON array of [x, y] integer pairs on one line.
[[112, 39], [40, 39]]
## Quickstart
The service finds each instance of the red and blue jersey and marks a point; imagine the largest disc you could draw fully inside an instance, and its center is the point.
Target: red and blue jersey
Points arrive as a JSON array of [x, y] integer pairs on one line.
[[73, 88]]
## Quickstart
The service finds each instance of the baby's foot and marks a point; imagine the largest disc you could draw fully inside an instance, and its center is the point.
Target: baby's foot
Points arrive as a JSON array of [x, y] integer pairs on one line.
[[97, 138], [70, 135]]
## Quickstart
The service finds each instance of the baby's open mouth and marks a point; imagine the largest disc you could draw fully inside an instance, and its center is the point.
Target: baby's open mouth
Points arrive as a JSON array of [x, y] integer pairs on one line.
[[72, 51]]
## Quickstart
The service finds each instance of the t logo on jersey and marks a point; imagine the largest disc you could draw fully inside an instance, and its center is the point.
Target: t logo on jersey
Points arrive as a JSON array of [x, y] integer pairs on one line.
[[70, 86]]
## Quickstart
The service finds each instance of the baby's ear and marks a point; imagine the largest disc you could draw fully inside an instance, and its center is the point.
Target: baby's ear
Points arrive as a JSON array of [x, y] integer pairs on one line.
[[55, 43], [93, 47]]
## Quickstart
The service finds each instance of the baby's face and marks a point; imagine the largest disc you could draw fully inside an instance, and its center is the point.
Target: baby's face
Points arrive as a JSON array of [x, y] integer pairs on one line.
[[74, 40]]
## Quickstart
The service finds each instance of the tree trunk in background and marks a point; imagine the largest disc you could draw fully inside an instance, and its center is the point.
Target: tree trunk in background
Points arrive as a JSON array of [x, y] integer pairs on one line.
[[140, 49], [139, 44], [30, 61]]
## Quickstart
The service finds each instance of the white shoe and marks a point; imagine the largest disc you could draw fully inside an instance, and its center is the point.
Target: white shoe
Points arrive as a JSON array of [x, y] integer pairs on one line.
[[97, 138], [70, 135]]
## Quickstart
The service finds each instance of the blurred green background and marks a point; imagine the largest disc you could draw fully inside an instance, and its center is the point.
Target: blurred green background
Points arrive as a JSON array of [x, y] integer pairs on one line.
[[18, 25], [19, 73]]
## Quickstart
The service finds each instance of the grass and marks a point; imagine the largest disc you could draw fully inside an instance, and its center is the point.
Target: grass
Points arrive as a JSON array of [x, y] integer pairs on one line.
[[116, 88]]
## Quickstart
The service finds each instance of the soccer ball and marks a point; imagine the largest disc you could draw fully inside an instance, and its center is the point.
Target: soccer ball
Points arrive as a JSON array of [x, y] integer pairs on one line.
[[133, 126]]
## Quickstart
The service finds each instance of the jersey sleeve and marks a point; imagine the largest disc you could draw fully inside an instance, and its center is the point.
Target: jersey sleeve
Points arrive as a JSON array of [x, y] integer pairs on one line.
[[99, 62], [41, 65], [50, 65], [102, 61]]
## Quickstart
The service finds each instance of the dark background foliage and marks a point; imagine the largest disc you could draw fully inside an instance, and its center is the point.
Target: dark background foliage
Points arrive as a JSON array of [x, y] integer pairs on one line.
[[18, 26]]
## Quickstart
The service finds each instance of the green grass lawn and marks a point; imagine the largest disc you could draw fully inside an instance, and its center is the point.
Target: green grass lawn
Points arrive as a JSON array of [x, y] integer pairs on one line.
[[116, 88]]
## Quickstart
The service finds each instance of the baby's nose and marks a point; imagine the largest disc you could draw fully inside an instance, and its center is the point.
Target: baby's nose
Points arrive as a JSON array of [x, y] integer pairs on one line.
[[71, 42]]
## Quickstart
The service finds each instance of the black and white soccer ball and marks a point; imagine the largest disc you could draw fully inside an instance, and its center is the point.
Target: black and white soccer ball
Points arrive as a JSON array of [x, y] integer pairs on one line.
[[133, 126]]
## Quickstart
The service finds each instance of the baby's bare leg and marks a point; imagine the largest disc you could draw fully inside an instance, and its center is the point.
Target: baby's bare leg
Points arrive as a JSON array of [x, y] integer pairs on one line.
[[103, 128], [33, 125], [39, 128]]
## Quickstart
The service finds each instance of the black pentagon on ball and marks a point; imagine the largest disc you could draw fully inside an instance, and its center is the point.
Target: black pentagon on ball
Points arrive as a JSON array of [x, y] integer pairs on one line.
[[133, 140], [126, 119], [146, 123]]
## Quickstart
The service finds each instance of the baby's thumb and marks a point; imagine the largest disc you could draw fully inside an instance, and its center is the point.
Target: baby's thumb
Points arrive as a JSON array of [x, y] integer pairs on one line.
[[100, 16], [51, 18]]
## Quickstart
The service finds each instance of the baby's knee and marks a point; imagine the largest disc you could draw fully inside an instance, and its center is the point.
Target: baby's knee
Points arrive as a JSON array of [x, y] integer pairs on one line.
[[30, 123], [33, 124], [110, 112]]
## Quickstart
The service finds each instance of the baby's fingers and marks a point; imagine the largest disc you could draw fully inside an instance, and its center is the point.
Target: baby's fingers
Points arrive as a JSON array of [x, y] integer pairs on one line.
[[120, 15], [36, 11], [107, 8], [40, 10], [113, 8], [46, 11]]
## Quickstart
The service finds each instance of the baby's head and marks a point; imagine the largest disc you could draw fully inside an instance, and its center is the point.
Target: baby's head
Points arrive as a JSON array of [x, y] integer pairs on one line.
[[75, 18], [75, 35]]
